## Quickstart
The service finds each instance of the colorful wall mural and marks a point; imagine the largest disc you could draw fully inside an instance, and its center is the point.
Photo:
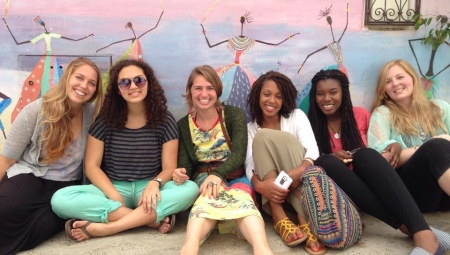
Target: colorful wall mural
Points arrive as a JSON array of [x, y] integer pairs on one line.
[[170, 36]]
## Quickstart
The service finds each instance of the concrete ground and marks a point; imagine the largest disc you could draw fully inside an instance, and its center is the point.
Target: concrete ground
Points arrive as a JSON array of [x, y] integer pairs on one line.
[[378, 239]]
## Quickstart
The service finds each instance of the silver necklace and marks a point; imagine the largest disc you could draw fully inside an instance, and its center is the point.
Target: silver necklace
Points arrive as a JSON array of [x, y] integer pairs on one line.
[[336, 134], [422, 134]]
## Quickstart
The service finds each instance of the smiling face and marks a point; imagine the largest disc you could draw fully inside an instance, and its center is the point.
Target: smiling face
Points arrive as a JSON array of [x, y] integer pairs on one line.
[[204, 96], [270, 99], [399, 85], [133, 94], [329, 96], [82, 85]]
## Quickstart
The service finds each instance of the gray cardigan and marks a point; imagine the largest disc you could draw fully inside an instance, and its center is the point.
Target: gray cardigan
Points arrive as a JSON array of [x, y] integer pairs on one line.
[[24, 140]]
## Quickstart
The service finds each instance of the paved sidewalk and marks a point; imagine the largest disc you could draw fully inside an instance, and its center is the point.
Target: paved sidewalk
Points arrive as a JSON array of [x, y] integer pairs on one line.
[[378, 239]]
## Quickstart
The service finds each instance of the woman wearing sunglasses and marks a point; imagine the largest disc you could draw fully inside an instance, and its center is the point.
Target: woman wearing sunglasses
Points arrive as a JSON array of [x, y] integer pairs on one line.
[[43, 153], [130, 157], [213, 142]]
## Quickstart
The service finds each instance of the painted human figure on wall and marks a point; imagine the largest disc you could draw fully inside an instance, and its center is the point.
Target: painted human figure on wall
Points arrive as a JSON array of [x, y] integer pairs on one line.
[[6, 101], [335, 50], [45, 74], [133, 52], [429, 81], [236, 80]]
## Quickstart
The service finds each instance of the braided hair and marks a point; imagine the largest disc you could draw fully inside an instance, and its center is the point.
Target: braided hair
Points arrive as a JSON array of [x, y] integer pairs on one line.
[[288, 92], [351, 139]]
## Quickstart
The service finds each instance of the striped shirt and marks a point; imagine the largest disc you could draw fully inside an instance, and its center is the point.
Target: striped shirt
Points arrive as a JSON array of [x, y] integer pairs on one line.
[[133, 154]]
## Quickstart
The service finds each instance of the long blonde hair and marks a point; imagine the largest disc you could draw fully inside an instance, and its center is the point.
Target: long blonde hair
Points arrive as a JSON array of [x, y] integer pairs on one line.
[[57, 113], [422, 109]]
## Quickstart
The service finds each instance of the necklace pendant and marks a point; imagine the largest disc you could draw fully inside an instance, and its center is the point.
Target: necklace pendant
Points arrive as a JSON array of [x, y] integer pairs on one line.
[[337, 136]]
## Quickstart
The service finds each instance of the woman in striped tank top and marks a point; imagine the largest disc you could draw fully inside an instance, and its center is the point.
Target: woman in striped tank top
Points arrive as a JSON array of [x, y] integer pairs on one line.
[[130, 157]]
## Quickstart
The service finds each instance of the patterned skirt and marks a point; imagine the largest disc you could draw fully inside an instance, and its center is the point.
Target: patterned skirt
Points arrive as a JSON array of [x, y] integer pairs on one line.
[[232, 203], [333, 217]]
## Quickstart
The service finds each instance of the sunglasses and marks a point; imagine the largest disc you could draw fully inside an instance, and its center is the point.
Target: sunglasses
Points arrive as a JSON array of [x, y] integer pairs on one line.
[[139, 81]]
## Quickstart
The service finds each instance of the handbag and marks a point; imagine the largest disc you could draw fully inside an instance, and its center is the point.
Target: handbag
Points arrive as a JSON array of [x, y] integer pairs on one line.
[[332, 216], [211, 166]]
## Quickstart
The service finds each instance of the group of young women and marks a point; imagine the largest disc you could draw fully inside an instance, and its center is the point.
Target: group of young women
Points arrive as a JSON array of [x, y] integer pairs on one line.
[[140, 167]]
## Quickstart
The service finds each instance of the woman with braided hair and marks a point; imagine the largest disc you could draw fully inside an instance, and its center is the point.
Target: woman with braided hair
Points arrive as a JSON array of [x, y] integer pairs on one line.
[[280, 138], [367, 178]]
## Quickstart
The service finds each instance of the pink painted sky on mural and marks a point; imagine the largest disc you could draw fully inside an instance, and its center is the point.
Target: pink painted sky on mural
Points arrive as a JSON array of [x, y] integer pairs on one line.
[[301, 12]]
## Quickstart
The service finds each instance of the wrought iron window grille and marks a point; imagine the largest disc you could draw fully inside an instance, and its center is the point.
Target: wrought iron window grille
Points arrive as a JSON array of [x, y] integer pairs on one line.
[[390, 12]]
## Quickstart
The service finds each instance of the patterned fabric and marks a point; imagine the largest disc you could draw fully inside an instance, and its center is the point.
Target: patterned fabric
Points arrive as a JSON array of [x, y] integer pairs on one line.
[[236, 86], [240, 43], [333, 217], [209, 145], [336, 50], [233, 202]]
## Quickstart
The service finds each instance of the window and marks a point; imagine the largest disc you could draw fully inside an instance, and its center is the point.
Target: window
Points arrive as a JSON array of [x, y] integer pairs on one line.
[[391, 12]]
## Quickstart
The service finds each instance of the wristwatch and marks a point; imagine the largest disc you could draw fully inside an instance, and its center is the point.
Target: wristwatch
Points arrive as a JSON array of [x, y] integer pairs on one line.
[[156, 179]]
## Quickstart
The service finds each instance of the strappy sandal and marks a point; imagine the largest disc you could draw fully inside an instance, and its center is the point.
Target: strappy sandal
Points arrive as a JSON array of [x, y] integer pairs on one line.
[[285, 227], [311, 238]]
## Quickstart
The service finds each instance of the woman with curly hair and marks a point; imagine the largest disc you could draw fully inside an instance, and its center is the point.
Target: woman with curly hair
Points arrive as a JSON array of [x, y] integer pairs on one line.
[[43, 153], [280, 138], [130, 157], [364, 175], [213, 141]]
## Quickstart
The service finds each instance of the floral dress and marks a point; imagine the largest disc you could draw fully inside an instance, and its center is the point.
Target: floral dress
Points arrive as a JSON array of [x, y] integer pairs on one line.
[[235, 199]]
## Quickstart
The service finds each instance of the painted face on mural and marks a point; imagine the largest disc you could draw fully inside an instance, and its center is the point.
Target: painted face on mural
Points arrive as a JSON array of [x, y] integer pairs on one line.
[[133, 93], [399, 84], [270, 99], [329, 96], [82, 85], [204, 96]]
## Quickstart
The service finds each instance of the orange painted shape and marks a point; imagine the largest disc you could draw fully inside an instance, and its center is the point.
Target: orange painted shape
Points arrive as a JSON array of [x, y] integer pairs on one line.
[[31, 88]]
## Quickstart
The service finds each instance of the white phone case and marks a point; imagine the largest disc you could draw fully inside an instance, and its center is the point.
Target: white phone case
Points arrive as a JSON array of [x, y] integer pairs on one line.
[[283, 180]]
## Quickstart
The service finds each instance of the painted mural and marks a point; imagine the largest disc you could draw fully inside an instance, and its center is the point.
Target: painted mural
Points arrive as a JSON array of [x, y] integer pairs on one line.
[[182, 34]]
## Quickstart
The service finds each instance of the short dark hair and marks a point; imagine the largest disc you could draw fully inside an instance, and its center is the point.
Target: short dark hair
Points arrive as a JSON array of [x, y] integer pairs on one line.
[[288, 92]]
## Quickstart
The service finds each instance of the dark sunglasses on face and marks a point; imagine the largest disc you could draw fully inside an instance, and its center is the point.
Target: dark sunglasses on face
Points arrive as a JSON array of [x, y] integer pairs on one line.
[[139, 81]]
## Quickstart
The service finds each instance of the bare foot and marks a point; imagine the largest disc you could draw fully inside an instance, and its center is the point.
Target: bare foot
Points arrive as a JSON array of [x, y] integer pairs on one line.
[[163, 226], [315, 245], [83, 230]]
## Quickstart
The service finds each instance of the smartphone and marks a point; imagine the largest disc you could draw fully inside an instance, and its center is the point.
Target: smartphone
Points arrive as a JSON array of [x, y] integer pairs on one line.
[[353, 151], [283, 180]]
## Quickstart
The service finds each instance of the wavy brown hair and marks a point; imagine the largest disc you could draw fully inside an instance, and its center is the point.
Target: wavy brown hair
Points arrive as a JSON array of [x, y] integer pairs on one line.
[[211, 76], [422, 109], [57, 112], [288, 92], [115, 110]]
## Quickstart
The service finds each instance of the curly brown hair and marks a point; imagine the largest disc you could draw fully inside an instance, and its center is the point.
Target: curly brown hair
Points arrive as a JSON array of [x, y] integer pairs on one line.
[[288, 92], [115, 110]]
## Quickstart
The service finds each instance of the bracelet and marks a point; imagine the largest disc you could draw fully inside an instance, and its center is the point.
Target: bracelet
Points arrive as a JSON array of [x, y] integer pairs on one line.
[[309, 160]]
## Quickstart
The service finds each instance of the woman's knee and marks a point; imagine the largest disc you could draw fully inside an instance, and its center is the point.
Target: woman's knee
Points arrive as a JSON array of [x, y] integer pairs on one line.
[[7, 208], [59, 202], [327, 161]]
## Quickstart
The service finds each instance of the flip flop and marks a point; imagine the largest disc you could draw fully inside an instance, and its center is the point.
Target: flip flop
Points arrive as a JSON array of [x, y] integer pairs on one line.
[[172, 219], [69, 227]]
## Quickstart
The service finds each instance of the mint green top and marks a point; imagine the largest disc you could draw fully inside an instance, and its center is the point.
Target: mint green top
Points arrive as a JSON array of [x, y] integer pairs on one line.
[[382, 133]]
